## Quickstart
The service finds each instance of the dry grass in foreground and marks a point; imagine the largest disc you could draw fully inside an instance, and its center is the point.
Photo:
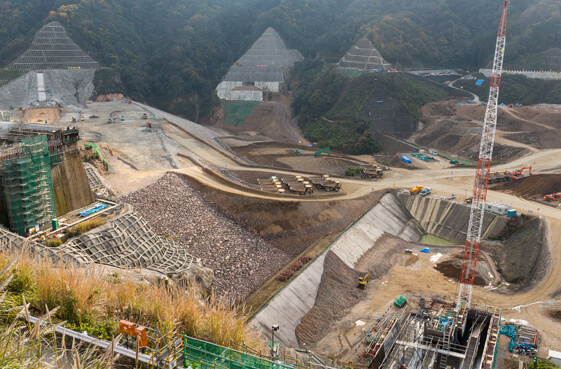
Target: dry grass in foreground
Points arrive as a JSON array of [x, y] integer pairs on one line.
[[89, 299]]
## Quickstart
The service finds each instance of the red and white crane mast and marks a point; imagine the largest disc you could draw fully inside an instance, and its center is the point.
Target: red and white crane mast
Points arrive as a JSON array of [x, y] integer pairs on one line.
[[482, 173]]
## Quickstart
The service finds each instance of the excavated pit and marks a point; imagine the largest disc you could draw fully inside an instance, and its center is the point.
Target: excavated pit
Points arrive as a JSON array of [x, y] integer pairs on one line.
[[318, 300]]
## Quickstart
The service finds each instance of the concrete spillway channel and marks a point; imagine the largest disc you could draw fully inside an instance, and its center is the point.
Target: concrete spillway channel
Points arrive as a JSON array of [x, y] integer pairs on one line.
[[289, 306], [403, 216]]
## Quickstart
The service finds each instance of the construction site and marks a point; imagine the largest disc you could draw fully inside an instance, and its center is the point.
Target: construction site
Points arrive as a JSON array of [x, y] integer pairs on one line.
[[362, 268]]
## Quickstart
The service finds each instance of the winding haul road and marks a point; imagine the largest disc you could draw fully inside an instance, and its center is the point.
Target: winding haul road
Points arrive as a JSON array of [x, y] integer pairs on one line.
[[531, 305]]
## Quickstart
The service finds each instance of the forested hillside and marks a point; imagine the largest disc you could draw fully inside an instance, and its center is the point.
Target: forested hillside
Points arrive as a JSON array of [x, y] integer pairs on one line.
[[172, 53], [332, 107]]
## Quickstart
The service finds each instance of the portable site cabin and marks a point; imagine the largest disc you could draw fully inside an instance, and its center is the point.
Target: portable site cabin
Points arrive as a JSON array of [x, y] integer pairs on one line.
[[497, 208]]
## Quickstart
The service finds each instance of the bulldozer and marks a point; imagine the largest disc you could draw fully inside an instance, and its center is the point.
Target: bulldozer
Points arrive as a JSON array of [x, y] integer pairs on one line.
[[415, 190], [363, 281]]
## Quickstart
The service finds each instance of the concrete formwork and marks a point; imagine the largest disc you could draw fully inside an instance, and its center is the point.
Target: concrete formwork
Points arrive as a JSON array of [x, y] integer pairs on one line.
[[289, 306]]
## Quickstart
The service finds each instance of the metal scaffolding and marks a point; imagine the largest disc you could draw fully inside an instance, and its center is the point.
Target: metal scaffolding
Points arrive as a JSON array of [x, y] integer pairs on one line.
[[28, 186]]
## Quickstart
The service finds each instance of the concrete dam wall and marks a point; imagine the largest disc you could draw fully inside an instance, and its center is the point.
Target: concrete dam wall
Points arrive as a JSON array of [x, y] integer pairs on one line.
[[388, 216], [448, 219]]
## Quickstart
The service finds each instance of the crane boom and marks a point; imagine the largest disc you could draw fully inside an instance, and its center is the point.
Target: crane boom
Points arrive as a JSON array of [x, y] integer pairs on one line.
[[482, 174]]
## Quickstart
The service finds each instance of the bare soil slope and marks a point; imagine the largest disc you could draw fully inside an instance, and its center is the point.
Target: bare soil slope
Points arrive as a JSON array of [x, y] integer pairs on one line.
[[456, 129], [537, 184], [290, 226]]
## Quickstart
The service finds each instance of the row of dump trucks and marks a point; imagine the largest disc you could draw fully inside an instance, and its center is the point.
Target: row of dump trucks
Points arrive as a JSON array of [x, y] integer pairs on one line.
[[298, 184]]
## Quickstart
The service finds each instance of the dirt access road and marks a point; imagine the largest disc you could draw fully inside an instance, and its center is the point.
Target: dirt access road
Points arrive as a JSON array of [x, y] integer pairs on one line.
[[531, 305]]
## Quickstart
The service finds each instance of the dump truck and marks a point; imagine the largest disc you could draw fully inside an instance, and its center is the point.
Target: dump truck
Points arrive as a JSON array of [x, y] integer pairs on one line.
[[371, 173], [363, 281], [301, 190], [415, 190]]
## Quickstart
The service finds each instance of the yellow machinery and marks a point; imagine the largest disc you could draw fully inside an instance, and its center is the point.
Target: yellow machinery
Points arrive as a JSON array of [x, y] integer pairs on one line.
[[363, 281], [415, 190]]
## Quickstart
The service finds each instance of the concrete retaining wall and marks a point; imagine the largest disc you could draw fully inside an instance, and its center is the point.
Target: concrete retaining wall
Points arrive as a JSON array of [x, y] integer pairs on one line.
[[448, 219], [289, 306], [240, 95], [529, 74]]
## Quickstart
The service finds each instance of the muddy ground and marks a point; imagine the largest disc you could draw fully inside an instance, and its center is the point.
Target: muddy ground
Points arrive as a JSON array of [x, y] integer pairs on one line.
[[280, 155]]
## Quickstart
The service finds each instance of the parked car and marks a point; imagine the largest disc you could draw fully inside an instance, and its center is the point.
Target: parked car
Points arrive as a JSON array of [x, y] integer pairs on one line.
[[425, 192]]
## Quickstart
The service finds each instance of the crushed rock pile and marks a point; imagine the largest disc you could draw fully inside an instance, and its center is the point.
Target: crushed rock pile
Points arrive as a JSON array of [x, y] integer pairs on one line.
[[241, 261]]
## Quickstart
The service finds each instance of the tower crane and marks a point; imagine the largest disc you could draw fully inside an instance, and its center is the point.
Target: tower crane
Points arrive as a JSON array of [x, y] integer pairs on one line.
[[482, 174]]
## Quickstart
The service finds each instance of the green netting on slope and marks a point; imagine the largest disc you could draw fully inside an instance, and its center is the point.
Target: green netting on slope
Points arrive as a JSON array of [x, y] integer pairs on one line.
[[98, 151], [208, 355], [28, 186], [7, 76], [237, 112], [352, 73]]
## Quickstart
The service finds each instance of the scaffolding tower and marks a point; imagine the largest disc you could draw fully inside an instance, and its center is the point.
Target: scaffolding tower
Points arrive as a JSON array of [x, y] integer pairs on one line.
[[28, 186]]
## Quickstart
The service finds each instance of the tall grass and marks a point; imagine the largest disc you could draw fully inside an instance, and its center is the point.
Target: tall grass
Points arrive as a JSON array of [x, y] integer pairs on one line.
[[92, 299], [34, 346]]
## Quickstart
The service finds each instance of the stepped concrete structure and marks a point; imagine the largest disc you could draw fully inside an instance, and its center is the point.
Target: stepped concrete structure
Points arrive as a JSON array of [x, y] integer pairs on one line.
[[60, 73], [363, 56], [53, 49], [259, 69]]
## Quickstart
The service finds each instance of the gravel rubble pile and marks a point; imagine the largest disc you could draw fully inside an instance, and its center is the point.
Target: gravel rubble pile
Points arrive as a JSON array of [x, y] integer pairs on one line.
[[241, 260]]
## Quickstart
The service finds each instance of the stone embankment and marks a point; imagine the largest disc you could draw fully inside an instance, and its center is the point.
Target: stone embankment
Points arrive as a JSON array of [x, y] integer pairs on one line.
[[241, 260]]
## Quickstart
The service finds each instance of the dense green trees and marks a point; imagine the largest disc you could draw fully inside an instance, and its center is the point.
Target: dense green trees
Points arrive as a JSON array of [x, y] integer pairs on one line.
[[172, 53]]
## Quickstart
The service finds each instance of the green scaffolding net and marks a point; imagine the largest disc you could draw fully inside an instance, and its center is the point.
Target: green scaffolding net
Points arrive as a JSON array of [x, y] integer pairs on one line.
[[207, 355], [237, 112], [28, 186]]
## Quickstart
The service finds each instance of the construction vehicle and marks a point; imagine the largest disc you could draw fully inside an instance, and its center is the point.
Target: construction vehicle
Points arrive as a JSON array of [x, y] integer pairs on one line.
[[499, 177], [373, 172], [453, 161], [73, 120], [415, 190], [363, 281], [325, 183], [552, 197], [474, 231], [516, 173], [318, 153], [122, 118], [82, 119], [144, 116], [294, 152], [451, 197], [302, 190], [425, 192]]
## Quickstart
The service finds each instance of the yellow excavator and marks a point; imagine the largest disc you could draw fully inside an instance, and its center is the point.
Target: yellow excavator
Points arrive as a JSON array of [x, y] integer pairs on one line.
[[363, 281]]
